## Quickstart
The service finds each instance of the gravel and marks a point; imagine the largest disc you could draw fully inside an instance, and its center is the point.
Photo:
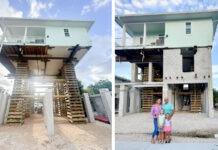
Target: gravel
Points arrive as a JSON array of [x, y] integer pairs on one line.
[[185, 126]]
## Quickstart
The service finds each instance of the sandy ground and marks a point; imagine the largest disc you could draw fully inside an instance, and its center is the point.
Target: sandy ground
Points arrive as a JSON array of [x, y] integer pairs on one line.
[[33, 136], [139, 126]]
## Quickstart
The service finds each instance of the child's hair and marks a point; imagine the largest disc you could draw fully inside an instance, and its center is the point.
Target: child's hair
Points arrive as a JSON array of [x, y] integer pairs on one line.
[[167, 114]]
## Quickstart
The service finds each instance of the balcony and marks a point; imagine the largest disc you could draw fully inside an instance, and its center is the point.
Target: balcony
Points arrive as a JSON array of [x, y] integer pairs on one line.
[[149, 35], [23, 35]]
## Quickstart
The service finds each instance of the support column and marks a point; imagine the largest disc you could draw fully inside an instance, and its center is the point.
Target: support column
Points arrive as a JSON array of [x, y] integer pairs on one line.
[[25, 35], [88, 107], [165, 93], [138, 101], [48, 113], [3, 105], [134, 72], [210, 99], [150, 66], [210, 90], [144, 35], [123, 100], [124, 36], [106, 99], [134, 100]]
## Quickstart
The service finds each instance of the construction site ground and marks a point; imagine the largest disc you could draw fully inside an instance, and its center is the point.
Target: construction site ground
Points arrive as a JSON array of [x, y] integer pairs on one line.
[[186, 127], [32, 135]]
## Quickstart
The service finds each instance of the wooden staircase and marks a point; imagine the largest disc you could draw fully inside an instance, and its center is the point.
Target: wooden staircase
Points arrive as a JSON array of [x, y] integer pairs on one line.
[[16, 108], [145, 74], [60, 105], [75, 111], [195, 99], [146, 97]]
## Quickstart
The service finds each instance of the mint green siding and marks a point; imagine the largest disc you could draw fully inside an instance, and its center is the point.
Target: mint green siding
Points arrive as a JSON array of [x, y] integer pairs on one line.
[[55, 36], [201, 33], [175, 34]]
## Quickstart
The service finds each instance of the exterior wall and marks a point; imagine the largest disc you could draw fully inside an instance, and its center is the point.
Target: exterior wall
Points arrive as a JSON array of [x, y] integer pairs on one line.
[[201, 33], [172, 67], [177, 37], [57, 37]]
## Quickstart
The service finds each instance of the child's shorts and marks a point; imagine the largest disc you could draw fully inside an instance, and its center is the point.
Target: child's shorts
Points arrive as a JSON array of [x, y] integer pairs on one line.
[[161, 129], [167, 129]]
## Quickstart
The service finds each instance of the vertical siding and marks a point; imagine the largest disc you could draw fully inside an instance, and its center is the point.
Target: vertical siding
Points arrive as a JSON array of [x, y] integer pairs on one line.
[[201, 33], [57, 36]]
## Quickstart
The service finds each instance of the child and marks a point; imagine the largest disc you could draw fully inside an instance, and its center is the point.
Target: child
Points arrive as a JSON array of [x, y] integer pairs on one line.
[[167, 128], [161, 122]]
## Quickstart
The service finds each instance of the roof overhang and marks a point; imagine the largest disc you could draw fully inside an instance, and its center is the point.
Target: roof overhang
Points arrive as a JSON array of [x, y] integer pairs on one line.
[[163, 17], [10, 21]]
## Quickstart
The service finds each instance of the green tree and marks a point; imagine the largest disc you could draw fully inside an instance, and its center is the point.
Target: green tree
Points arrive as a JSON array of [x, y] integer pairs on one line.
[[215, 96], [81, 89], [94, 89]]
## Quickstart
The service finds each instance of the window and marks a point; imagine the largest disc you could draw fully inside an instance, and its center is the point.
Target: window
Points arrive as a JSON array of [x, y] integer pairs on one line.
[[188, 64], [188, 27], [66, 32], [188, 59]]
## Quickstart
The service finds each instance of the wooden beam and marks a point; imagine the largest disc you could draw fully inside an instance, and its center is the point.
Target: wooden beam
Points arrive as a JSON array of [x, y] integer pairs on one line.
[[73, 53], [146, 59], [183, 93]]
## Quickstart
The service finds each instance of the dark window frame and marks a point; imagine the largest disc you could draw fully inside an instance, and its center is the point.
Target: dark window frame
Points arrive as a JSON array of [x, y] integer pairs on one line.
[[188, 28], [66, 33]]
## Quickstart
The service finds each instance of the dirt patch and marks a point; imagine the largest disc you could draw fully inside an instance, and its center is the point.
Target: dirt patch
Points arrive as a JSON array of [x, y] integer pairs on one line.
[[33, 136]]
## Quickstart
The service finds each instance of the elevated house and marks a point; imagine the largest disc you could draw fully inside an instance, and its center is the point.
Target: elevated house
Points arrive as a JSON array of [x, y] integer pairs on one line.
[[45, 51], [170, 54]]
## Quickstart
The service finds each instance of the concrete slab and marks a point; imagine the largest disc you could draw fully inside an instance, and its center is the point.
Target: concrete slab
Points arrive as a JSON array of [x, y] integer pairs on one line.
[[127, 145], [88, 107], [106, 100]]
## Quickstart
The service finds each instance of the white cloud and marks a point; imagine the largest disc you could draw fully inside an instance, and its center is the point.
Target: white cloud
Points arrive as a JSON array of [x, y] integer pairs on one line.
[[95, 5], [176, 2], [96, 69], [215, 76], [155, 6], [6, 10], [85, 9], [215, 69], [36, 7], [50, 5]]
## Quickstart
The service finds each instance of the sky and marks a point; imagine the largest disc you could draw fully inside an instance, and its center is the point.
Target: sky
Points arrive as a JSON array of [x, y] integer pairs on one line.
[[162, 6], [96, 64]]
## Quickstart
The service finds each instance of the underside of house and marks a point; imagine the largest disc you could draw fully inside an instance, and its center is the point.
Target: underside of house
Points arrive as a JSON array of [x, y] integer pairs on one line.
[[38, 67]]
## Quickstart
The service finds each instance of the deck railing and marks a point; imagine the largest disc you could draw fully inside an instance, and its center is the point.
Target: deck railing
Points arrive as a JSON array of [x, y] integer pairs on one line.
[[129, 42], [21, 39]]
